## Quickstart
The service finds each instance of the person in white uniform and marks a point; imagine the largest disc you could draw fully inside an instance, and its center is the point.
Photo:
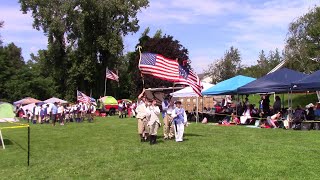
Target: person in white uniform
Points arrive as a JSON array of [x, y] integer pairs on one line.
[[180, 120], [153, 112]]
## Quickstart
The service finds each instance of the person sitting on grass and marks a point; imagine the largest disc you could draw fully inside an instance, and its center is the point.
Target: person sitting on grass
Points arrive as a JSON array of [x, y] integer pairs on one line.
[[247, 114], [264, 124], [235, 119], [272, 120]]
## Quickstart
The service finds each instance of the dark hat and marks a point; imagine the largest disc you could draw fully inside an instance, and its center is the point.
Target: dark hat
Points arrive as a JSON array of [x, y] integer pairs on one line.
[[178, 102]]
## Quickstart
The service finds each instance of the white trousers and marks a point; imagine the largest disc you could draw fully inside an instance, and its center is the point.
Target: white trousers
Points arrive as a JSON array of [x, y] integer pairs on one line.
[[178, 131]]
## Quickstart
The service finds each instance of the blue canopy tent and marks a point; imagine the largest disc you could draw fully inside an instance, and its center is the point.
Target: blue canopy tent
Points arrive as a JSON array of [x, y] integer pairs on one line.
[[228, 86], [278, 82], [309, 83]]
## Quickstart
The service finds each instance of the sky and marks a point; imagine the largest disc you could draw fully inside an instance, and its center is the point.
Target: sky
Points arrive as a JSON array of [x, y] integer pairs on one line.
[[207, 28]]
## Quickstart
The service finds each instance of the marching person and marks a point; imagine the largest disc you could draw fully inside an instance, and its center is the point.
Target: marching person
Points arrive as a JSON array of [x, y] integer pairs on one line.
[[91, 111], [165, 105], [180, 120], [153, 121], [168, 129], [61, 114], [141, 109], [54, 112]]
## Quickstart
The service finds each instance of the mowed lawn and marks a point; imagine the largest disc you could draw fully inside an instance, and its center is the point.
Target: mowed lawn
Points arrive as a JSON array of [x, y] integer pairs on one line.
[[109, 148]]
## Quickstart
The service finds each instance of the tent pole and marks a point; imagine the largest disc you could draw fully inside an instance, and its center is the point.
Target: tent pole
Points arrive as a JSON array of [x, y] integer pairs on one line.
[[283, 100], [2, 140], [288, 99], [197, 110]]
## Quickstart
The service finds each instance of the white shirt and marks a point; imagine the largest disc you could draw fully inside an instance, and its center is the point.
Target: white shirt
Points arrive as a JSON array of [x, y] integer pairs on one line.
[[141, 111], [170, 109], [185, 118], [152, 113], [60, 109], [37, 110]]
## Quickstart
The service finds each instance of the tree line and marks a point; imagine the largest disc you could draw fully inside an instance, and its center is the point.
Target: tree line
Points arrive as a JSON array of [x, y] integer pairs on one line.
[[85, 37]]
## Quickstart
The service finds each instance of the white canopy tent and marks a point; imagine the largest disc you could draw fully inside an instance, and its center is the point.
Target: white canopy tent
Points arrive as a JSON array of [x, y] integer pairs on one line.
[[54, 99], [188, 92]]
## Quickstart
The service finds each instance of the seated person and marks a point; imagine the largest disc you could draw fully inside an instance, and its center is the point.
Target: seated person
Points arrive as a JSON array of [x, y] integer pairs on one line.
[[264, 124], [310, 113], [298, 115], [227, 111], [272, 120], [235, 119], [246, 115], [317, 112]]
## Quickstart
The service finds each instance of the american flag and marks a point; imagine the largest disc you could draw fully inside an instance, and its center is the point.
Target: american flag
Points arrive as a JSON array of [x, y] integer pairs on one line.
[[169, 70], [111, 75], [159, 66], [81, 97]]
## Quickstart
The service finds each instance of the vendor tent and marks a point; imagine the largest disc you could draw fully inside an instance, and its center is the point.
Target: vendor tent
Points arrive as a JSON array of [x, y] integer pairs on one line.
[[228, 86], [27, 100], [109, 100], [54, 99], [28, 107], [6, 112], [309, 83], [188, 92], [278, 82]]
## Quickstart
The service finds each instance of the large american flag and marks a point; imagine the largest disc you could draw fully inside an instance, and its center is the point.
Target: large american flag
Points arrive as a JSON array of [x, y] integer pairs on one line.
[[81, 97], [159, 66], [169, 70], [111, 75]]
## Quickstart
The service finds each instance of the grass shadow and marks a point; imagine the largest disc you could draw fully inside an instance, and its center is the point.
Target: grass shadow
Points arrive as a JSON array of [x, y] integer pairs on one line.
[[11, 142], [192, 135], [7, 142]]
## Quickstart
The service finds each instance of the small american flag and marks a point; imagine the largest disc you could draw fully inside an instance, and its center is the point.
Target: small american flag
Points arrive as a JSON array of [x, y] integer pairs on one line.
[[169, 70], [159, 66], [111, 75], [81, 97]]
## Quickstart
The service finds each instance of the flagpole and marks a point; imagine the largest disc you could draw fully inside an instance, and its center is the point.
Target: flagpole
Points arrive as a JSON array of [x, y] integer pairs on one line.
[[105, 84], [139, 48]]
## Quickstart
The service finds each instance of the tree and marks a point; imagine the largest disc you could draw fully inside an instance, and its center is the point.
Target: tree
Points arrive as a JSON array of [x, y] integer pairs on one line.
[[165, 45], [302, 49], [226, 67], [84, 37], [1, 25], [264, 64]]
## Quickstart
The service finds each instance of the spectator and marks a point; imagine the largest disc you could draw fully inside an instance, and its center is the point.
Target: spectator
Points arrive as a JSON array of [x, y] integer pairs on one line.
[[317, 112], [214, 102], [247, 115], [273, 119], [277, 105], [310, 112]]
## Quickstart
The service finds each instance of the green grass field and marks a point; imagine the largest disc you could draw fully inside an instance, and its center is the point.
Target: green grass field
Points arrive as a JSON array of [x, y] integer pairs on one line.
[[110, 149]]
